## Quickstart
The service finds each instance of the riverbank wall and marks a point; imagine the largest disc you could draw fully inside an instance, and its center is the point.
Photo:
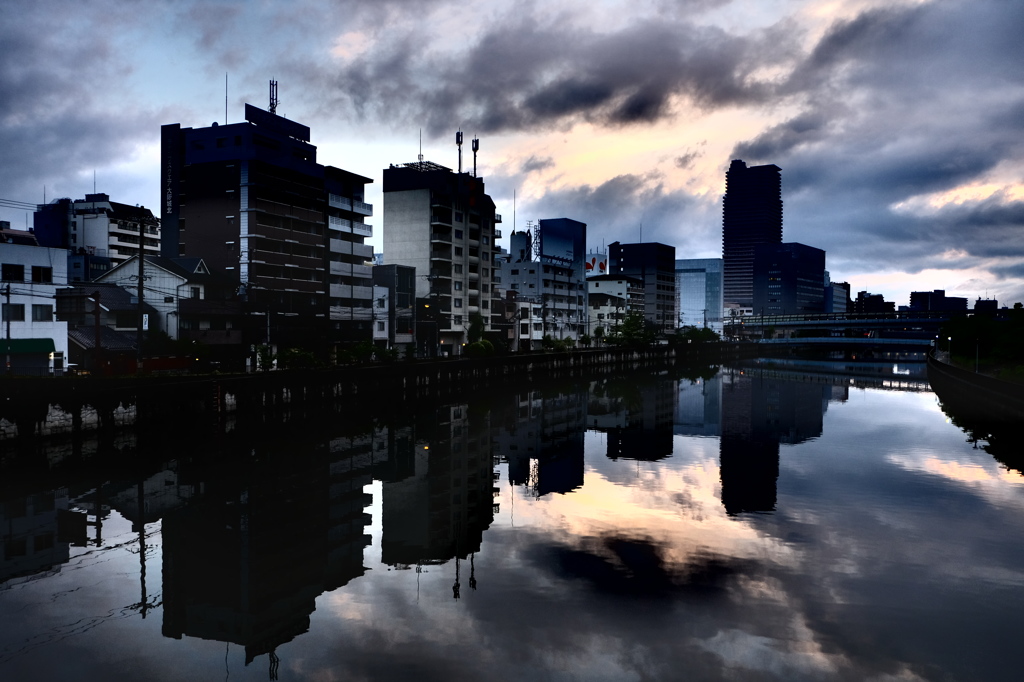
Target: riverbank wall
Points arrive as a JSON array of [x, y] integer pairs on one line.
[[976, 395], [45, 407]]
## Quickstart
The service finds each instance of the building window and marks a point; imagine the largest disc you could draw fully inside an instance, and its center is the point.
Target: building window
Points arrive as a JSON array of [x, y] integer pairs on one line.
[[42, 274], [458, 233], [458, 286], [380, 326], [458, 303], [13, 312], [195, 292], [458, 250], [42, 313], [12, 272], [458, 219], [168, 299], [487, 241], [458, 269], [458, 319]]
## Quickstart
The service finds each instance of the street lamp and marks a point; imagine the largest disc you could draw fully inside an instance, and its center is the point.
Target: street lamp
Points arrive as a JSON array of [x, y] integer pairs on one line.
[[949, 348]]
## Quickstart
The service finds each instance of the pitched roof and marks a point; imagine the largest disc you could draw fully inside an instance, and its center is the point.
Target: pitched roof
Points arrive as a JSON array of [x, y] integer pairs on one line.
[[110, 339]]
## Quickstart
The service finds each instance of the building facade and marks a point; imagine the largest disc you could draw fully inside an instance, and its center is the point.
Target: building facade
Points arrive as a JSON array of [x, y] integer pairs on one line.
[[653, 264], [444, 225], [97, 233], [33, 341], [699, 288], [789, 279], [285, 232], [751, 215], [610, 298]]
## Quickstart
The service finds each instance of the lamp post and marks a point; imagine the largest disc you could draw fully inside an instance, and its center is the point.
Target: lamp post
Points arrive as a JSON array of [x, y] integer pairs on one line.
[[949, 348]]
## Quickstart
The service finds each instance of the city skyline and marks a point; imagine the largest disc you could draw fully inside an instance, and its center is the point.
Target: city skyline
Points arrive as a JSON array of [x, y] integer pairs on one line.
[[896, 125]]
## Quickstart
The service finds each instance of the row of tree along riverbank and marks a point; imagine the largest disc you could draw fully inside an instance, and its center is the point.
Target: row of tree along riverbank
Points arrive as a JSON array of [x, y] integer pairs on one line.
[[31, 408]]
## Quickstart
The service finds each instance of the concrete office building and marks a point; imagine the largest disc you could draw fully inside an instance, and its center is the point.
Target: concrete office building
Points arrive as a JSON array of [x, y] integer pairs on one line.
[[610, 298], [97, 233], [699, 288], [443, 224], [751, 215], [556, 280], [284, 232], [653, 264], [789, 279]]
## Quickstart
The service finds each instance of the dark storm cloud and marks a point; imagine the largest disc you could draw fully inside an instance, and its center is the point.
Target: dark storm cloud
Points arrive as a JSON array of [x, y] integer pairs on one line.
[[618, 209], [534, 164], [56, 117], [525, 75], [900, 103]]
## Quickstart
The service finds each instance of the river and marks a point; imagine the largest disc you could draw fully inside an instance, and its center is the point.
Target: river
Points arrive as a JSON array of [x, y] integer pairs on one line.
[[763, 521]]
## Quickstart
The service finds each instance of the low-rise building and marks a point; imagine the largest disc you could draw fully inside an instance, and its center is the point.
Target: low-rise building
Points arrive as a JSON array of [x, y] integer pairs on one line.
[[34, 341]]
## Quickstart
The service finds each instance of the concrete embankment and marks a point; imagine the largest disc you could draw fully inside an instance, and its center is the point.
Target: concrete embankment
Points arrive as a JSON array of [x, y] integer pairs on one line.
[[33, 407], [976, 395]]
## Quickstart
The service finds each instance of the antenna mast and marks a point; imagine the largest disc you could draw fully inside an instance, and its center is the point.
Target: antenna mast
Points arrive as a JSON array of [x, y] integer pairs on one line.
[[420, 156], [476, 148], [458, 143], [273, 97]]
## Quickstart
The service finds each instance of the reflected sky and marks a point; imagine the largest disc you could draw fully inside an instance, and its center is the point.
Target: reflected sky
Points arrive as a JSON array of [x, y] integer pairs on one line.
[[515, 537]]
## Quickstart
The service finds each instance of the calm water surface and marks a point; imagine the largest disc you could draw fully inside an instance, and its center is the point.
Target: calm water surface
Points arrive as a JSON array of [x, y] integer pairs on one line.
[[757, 523]]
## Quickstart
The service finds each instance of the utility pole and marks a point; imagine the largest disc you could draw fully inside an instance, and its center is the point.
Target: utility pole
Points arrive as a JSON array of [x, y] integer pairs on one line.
[[7, 310], [96, 350]]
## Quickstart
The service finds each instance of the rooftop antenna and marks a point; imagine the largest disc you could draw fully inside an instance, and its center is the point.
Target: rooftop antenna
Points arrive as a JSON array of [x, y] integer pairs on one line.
[[458, 143], [476, 148], [225, 98], [94, 181], [273, 97], [513, 211], [420, 157]]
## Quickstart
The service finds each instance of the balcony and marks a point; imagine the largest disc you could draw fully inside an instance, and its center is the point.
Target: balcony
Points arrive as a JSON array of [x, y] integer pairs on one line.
[[343, 224], [436, 219], [336, 201], [497, 218], [440, 237], [362, 208], [441, 254], [497, 232]]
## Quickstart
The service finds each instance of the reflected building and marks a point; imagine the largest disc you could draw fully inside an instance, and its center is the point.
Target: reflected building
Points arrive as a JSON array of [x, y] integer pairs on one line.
[[245, 561], [637, 416], [439, 506], [36, 533], [759, 413], [699, 407], [540, 435]]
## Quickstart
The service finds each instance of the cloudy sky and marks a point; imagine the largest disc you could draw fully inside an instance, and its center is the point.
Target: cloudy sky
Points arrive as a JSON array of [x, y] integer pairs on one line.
[[898, 125]]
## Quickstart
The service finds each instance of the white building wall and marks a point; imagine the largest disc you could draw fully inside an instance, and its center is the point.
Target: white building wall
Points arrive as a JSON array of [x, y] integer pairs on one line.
[[28, 294]]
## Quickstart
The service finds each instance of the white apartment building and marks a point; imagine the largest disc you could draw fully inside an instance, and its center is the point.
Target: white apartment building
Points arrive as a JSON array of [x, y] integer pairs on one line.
[[443, 224]]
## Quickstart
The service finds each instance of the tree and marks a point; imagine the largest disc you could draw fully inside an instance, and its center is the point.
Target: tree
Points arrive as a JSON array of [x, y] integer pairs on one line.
[[585, 340], [599, 335], [476, 327]]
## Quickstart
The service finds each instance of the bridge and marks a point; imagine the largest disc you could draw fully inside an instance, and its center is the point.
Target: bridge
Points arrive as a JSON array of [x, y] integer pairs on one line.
[[905, 325]]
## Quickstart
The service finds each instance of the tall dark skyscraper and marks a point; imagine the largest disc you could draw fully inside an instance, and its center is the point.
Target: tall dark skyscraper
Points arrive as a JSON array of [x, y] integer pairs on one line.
[[751, 215]]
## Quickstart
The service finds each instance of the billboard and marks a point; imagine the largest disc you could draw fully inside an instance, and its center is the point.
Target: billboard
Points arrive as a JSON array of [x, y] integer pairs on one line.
[[596, 264]]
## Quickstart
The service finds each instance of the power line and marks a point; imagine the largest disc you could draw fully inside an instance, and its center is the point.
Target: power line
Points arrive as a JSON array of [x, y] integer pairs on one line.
[[11, 203]]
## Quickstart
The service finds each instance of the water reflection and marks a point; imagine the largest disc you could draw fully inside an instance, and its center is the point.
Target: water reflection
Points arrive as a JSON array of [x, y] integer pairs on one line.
[[598, 515]]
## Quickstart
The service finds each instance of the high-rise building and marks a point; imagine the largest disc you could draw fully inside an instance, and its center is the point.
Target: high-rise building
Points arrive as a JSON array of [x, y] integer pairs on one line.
[[444, 225], [789, 279], [751, 215], [655, 265], [283, 231], [699, 287]]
